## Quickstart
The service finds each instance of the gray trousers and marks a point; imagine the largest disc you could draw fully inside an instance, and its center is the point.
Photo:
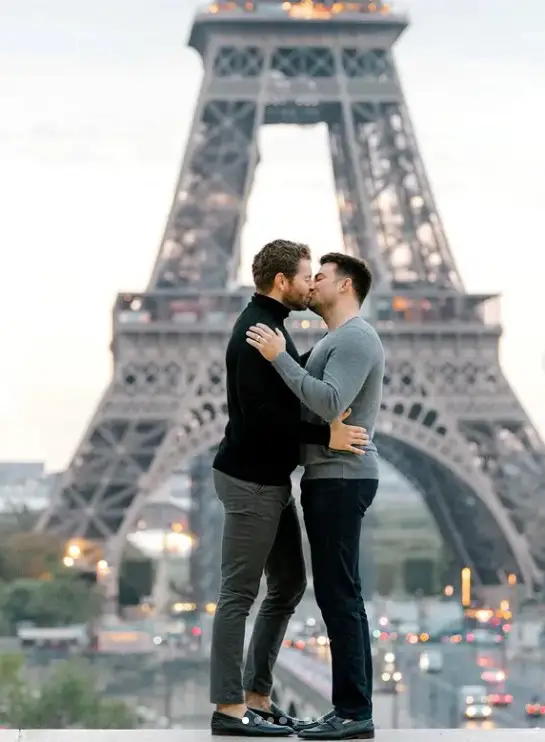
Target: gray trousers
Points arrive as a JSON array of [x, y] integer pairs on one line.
[[261, 534]]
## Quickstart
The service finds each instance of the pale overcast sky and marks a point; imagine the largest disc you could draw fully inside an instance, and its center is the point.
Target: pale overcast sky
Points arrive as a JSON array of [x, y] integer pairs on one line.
[[96, 100]]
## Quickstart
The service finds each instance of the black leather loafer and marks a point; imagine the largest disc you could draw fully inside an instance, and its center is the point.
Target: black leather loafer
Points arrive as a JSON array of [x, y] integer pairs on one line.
[[251, 725], [316, 722], [279, 717], [336, 728]]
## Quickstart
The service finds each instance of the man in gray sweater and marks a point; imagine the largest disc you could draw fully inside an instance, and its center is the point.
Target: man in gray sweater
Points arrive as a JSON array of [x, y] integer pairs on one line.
[[344, 370]]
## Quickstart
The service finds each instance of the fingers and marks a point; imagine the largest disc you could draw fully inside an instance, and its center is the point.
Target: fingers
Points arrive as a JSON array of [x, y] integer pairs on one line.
[[356, 430], [357, 436], [345, 414], [255, 331], [264, 329], [348, 448], [356, 441], [253, 343]]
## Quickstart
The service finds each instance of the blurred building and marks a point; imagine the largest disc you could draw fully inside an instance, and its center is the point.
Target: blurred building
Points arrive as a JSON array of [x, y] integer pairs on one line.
[[408, 549], [401, 547], [163, 535]]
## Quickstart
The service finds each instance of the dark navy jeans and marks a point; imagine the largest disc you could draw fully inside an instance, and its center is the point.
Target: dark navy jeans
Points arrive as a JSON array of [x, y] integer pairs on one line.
[[333, 511]]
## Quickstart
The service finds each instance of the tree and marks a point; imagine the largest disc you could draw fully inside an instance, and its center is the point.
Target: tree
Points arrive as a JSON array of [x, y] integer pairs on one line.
[[56, 602], [30, 555], [69, 699], [12, 689], [65, 600]]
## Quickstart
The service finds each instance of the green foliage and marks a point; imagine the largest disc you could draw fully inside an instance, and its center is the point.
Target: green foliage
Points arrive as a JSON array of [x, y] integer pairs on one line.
[[12, 687], [57, 602], [68, 699], [29, 555], [15, 599]]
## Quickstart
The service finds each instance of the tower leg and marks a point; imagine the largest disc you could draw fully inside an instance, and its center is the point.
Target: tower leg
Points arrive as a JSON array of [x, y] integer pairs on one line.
[[206, 524]]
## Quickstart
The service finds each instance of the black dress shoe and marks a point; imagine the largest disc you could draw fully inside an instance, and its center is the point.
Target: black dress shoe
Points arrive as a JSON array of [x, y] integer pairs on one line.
[[316, 722], [335, 728], [251, 725], [281, 718]]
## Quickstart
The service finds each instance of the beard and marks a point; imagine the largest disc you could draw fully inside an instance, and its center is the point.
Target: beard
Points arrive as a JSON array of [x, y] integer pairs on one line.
[[296, 305], [314, 306], [296, 302]]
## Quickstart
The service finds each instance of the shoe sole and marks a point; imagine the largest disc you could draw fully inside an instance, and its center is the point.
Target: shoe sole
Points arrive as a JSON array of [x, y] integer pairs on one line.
[[361, 735], [239, 733]]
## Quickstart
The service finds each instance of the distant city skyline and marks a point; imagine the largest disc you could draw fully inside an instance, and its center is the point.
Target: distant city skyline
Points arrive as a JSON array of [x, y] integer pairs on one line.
[[96, 108]]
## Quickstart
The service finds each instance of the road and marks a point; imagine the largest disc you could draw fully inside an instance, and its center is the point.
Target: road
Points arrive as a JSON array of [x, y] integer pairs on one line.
[[435, 697], [432, 700], [388, 711]]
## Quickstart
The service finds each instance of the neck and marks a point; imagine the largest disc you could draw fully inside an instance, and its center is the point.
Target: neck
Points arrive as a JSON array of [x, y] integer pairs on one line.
[[336, 316], [273, 304], [274, 294]]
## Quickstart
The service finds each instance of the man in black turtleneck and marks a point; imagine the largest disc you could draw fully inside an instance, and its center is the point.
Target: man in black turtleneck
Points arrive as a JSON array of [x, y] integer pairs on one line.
[[252, 476]]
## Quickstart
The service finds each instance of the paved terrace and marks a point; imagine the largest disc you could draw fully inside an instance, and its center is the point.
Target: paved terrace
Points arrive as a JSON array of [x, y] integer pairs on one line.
[[187, 735]]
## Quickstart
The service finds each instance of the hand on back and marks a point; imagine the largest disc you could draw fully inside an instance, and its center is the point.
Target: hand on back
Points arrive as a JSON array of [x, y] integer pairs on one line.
[[351, 438]]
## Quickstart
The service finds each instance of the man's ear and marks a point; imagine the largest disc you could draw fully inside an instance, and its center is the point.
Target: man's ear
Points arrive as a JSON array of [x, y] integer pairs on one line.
[[279, 281], [346, 284]]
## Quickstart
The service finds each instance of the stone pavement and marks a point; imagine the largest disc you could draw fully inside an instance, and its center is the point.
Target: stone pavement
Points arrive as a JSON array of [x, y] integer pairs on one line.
[[187, 735]]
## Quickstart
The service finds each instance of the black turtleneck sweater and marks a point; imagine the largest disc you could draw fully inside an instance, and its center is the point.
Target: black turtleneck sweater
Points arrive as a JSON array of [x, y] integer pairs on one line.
[[262, 437]]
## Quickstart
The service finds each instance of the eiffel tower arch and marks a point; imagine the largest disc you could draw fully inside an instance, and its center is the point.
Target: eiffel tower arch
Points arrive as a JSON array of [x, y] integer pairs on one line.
[[450, 422]]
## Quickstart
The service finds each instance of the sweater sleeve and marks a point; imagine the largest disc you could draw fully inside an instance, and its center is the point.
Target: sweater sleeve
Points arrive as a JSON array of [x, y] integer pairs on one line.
[[348, 365]]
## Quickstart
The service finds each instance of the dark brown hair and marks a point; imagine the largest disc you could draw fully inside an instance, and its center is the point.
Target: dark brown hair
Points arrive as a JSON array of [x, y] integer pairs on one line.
[[354, 268], [278, 256]]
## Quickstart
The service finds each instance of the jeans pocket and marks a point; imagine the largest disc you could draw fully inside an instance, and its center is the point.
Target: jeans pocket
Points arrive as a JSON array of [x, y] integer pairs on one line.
[[236, 495]]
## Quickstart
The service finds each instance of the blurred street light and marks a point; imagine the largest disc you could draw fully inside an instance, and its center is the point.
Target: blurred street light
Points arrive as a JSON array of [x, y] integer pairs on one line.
[[73, 551], [103, 568], [466, 587], [177, 542]]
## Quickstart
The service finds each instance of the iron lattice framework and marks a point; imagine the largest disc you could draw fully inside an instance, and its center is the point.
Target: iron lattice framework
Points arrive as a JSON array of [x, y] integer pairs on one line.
[[450, 421]]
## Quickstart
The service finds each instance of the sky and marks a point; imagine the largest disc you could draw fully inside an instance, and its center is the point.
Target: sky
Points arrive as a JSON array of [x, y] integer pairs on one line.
[[96, 103]]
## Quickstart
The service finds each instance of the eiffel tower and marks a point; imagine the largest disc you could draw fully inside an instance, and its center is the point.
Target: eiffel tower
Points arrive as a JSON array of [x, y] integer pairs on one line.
[[450, 421]]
